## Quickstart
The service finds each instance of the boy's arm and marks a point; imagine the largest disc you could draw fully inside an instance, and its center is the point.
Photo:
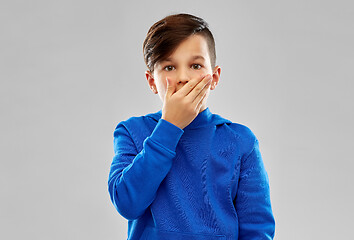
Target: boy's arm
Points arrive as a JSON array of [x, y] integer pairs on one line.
[[135, 177], [252, 202]]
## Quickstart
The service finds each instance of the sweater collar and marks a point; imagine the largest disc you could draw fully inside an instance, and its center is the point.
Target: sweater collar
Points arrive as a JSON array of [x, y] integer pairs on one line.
[[204, 118]]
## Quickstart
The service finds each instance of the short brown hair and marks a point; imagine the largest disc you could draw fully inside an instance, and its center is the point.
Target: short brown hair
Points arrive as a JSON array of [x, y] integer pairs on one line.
[[165, 35]]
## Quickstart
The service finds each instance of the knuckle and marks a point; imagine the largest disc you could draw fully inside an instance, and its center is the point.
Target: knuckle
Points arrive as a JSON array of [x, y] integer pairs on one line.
[[198, 88]]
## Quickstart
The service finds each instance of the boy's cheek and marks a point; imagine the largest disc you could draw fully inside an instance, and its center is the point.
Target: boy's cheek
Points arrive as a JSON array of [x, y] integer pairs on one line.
[[204, 73]]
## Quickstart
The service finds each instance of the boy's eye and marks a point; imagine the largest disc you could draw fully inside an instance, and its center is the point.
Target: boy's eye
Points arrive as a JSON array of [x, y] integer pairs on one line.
[[196, 66], [169, 68]]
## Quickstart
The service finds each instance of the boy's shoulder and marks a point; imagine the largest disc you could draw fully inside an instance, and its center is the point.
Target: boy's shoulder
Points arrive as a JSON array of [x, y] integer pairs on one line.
[[243, 132], [139, 120]]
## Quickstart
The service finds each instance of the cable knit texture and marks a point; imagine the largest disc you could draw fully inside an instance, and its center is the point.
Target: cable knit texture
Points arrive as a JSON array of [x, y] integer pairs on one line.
[[204, 182]]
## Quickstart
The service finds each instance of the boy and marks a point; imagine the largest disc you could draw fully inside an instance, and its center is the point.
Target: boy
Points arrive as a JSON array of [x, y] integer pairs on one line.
[[184, 172]]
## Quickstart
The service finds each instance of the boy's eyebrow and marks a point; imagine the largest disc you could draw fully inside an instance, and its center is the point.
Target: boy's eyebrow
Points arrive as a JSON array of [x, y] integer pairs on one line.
[[193, 58]]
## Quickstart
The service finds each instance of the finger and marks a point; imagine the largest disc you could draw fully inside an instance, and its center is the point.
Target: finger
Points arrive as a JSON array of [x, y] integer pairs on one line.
[[203, 92], [187, 88], [201, 101], [170, 88], [199, 88]]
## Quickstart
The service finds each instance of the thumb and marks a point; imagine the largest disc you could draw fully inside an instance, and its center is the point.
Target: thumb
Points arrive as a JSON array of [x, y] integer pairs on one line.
[[170, 88]]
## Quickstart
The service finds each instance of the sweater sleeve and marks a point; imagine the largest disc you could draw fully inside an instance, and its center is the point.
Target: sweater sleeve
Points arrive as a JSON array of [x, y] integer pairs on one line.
[[135, 176], [252, 201]]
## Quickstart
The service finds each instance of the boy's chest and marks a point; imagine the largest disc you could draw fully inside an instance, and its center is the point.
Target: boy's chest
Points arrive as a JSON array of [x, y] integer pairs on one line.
[[211, 158], [200, 183]]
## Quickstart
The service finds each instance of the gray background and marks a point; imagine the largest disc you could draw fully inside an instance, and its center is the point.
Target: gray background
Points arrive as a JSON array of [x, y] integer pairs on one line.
[[71, 70]]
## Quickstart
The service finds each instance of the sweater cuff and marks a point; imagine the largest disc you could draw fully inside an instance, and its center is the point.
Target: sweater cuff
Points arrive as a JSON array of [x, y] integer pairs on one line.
[[167, 134]]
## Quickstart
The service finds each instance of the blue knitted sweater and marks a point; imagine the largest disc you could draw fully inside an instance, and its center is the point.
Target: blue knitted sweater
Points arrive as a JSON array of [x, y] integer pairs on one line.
[[204, 182]]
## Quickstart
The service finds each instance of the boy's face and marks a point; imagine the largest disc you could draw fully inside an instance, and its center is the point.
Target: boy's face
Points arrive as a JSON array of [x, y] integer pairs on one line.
[[189, 61]]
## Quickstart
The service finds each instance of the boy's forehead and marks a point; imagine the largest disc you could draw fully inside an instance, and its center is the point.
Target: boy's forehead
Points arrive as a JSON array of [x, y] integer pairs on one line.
[[192, 57]]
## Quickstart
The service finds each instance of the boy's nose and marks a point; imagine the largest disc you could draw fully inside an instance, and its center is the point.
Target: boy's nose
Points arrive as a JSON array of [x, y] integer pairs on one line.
[[182, 82], [183, 78]]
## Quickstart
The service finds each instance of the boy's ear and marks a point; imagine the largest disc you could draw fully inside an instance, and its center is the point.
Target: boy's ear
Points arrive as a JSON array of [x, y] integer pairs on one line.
[[148, 74], [217, 70], [151, 81], [216, 77]]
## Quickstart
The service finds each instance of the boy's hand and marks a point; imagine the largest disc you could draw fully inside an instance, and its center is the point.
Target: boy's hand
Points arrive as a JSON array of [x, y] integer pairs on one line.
[[182, 107]]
